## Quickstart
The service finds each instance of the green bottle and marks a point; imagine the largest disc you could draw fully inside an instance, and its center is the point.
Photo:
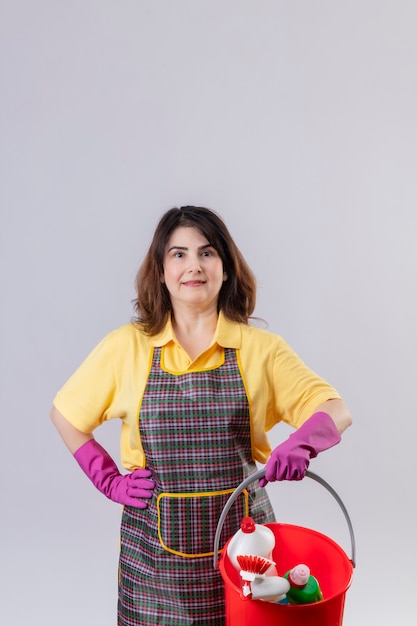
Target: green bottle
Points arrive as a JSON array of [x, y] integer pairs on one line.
[[304, 588]]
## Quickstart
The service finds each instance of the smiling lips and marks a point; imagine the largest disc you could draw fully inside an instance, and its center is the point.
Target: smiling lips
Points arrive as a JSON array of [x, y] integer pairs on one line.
[[194, 283]]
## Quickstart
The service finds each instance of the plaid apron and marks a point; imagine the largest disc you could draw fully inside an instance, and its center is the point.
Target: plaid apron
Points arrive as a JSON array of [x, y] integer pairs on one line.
[[195, 431]]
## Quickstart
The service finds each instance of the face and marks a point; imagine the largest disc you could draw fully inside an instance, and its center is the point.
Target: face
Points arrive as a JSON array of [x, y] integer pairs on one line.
[[193, 270]]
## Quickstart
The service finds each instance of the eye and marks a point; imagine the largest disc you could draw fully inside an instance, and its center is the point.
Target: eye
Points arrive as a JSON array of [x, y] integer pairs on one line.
[[178, 255], [207, 252]]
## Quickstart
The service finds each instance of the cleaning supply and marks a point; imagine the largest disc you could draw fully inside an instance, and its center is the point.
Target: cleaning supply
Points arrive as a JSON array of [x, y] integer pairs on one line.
[[256, 584], [304, 588], [252, 539]]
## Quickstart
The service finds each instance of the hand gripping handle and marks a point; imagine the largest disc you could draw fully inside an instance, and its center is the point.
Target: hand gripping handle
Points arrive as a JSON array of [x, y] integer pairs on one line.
[[260, 474]]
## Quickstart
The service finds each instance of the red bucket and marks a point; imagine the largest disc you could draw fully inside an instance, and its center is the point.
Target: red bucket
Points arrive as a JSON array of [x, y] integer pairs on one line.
[[293, 544]]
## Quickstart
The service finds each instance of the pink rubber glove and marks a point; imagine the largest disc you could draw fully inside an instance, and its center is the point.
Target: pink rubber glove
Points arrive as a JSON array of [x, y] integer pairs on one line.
[[290, 460], [104, 474]]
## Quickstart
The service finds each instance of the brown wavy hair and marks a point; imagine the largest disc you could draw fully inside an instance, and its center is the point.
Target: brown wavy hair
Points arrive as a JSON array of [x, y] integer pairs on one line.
[[237, 295]]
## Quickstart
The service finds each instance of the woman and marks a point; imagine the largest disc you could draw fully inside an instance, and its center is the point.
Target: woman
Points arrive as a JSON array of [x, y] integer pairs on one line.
[[196, 388]]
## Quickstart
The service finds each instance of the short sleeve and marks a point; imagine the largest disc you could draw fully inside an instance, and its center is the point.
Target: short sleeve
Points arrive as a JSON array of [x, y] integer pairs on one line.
[[297, 388], [87, 397]]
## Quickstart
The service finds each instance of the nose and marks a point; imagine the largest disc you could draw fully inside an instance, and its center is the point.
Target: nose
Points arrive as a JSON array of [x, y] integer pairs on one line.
[[194, 264]]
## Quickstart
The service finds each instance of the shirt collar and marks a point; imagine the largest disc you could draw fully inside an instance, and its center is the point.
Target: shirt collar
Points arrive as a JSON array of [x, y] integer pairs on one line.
[[228, 334], [164, 336]]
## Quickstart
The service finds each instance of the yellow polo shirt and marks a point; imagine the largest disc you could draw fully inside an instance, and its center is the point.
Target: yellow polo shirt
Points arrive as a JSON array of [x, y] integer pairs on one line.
[[111, 381]]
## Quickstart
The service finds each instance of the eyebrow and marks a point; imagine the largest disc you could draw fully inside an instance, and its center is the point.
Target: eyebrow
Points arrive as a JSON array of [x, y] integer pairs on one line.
[[206, 245]]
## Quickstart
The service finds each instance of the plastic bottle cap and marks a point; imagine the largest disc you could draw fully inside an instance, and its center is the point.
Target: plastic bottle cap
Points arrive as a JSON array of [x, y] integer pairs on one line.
[[299, 575], [247, 525]]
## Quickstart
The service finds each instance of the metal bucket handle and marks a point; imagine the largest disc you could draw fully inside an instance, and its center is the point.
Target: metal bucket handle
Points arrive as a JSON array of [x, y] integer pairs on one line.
[[260, 474]]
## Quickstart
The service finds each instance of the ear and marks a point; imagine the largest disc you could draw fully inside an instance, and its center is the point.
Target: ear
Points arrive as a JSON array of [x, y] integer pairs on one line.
[[225, 276]]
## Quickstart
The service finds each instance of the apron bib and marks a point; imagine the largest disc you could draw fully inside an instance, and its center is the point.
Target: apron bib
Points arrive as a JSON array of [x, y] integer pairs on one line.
[[195, 432]]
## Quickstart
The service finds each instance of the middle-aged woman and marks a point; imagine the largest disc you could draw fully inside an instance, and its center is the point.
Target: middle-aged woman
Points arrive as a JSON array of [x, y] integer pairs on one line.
[[197, 387]]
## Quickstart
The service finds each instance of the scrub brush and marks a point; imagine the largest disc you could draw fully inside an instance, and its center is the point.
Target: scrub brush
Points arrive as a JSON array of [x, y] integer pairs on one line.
[[253, 566], [256, 584]]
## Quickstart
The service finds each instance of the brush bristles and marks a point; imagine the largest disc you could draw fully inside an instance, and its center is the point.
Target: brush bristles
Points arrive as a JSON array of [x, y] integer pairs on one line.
[[253, 563]]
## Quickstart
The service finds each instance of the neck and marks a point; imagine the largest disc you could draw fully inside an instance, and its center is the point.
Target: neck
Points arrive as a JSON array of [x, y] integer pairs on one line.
[[195, 331]]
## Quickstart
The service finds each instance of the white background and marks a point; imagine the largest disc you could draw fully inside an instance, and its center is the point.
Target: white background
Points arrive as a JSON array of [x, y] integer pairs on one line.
[[296, 121]]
